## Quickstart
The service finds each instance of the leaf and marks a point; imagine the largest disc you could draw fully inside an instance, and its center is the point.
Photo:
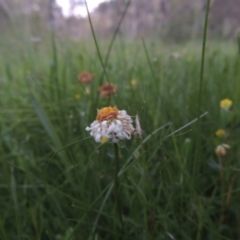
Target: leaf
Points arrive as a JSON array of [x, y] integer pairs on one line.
[[214, 165], [48, 126]]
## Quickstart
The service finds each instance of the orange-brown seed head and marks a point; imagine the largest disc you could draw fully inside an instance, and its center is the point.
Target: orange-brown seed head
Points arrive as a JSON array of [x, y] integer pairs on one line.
[[107, 89], [85, 77], [107, 113]]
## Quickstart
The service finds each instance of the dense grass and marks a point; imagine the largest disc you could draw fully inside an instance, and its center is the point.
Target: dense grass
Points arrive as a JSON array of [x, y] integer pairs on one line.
[[57, 183]]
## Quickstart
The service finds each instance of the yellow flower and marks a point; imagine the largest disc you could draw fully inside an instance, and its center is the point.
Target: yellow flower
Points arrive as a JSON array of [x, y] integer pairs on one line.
[[220, 133], [136, 155], [226, 104], [133, 82], [104, 140], [77, 96]]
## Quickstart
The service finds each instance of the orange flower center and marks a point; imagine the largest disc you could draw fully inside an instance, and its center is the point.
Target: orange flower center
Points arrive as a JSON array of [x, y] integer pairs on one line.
[[107, 113]]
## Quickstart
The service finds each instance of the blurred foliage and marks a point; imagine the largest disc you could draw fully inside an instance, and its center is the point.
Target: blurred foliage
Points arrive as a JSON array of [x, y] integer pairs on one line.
[[169, 19]]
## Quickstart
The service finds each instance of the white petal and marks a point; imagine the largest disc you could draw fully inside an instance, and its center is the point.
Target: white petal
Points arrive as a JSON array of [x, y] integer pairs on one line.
[[98, 130], [127, 135], [96, 126], [97, 137], [111, 128], [123, 112], [104, 124], [118, 122], [88, 128], [118, 129], [120, 135]]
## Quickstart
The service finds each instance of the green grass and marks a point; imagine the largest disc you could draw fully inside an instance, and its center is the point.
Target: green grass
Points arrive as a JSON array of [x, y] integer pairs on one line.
[[57, 183]]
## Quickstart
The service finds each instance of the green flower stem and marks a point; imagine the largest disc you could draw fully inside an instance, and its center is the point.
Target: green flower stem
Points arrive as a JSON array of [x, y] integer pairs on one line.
[[116, 187], [198, 157], [222, 189], [226, 191]]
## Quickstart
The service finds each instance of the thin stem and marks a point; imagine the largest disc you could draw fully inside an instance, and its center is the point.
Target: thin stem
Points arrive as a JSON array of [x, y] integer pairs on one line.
[[203, 56], [116, 186], [149, 61], [222, 190], [105, 62], [238, 41], [197, 148], [198, 132]]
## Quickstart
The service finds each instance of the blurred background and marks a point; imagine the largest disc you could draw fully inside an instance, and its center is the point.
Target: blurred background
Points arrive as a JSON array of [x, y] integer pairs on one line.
[[172, 20]]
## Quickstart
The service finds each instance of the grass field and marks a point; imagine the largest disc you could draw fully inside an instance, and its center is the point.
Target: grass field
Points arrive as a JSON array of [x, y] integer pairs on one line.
[[57, 183]]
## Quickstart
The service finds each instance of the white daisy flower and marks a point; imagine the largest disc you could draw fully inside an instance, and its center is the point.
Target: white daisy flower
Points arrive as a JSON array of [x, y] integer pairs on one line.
[[112, 124]]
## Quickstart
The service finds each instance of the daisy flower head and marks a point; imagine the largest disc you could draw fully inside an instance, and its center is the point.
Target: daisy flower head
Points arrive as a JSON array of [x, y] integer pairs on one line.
[[221, 150], [112, 124], [107, 89], [225, 104], [133, 82], [85, 77]]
